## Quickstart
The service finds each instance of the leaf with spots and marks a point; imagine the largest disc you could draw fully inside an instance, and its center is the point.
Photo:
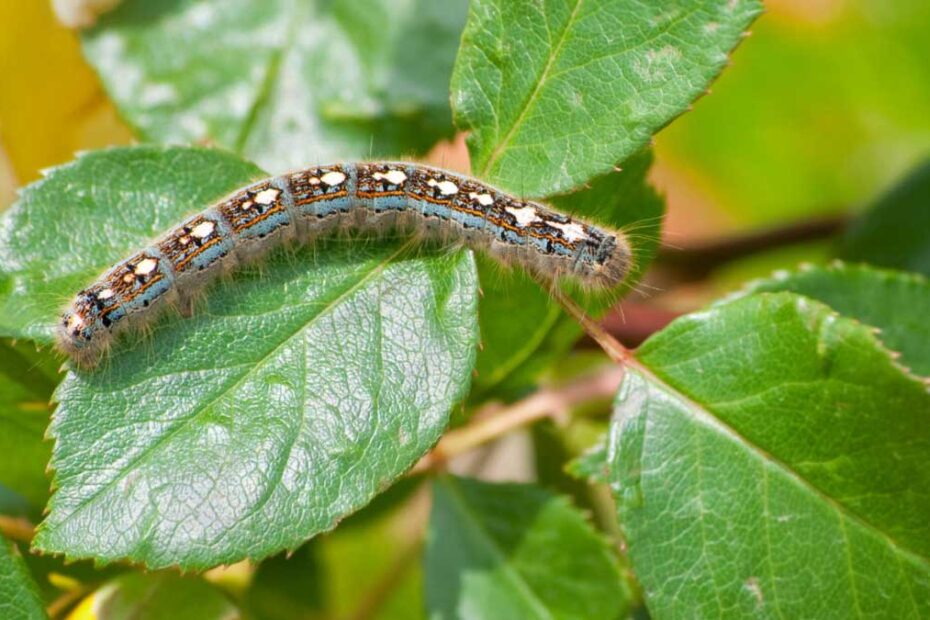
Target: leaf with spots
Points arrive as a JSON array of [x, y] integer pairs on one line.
[[292, 398], [556, 92], [282, 82], [770, 459]]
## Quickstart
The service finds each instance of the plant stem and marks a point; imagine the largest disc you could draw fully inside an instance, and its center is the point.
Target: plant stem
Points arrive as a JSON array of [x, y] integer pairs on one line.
[[17, 528], [544, 403], [611, 346], [66, 601], [696, 262]]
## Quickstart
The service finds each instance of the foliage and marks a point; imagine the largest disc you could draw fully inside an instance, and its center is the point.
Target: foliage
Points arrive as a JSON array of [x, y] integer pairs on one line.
[[499, 551], [767, 455], [761, 445], [19, 597]]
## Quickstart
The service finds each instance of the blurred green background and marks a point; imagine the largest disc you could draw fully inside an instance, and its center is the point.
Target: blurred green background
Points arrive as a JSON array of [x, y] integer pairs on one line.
[[825, 105]]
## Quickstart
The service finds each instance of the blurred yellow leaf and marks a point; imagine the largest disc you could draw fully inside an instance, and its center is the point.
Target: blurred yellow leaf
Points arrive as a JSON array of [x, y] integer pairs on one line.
[[51, 103]]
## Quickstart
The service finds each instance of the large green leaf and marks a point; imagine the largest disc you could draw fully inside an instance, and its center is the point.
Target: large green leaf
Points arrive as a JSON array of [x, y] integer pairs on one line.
[[516, 551], [19, 597], [522, 329], [26, 384], [295, 396], [289, 404], [161, 596], [86, 215], [771, 460], [284, 82], [895, 231], [557, 92], [897, 303]]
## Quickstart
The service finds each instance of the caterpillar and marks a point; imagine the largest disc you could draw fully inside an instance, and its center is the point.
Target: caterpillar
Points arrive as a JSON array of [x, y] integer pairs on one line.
[[301, 205]]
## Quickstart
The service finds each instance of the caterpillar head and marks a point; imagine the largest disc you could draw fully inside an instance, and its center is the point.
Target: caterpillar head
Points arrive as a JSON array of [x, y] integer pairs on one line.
[[83, 332], [612, 260]]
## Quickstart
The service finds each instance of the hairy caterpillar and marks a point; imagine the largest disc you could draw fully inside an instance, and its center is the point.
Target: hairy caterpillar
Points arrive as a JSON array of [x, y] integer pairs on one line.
[[304, 204]]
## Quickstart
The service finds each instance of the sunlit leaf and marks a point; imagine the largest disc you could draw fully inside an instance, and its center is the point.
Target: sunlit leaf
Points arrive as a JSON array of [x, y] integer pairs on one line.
[[771, 459]]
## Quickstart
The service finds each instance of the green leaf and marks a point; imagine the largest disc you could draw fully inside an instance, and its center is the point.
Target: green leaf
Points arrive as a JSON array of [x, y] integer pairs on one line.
[[523, 330], [557, 92], [296, 395], [26, 383], [897, 303], [771, 460], [283, 82], [895, 231], [295, 398], [161, 596], [19, 596], [516, 551], [86, 215]]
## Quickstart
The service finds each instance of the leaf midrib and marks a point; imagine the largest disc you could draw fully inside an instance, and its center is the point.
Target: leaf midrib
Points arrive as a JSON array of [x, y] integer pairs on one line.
[[140, 459], [531, 100]]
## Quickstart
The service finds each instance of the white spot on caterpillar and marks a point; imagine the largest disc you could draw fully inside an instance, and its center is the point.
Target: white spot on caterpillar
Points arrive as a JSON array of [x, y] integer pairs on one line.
[[128, 278], [105, 293], [572, 231], [203, 229], [394, 177], [246, 205], [483, 199], [314, 181], [146, 266], [525, 215], [266, 197], [333, 178], [446, 188]]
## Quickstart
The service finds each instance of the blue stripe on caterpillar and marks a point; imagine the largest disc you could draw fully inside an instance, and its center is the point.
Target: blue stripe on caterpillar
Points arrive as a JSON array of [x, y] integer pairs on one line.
[[302, 205]]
